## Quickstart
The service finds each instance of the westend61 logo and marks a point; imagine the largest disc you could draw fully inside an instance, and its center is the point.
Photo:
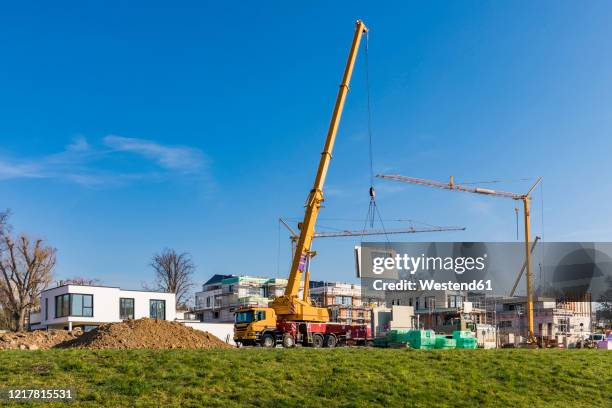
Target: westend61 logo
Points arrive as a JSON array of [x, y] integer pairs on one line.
[[567, 271], [416, 264]]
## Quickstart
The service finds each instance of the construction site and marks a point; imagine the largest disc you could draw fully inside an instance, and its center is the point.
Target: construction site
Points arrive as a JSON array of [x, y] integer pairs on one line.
[[297, 311], [388, 319]]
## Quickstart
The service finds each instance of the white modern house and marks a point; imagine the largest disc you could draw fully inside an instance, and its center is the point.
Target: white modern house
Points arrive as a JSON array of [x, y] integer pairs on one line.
[[85, 306]]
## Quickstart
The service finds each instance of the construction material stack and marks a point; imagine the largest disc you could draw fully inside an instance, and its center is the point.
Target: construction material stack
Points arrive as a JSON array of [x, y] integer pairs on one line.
[[422, 339], [445, 343], [465, 339]]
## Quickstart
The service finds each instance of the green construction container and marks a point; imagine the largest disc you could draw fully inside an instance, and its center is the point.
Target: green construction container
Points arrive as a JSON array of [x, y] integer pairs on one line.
[[467, 343], [422, 339], [462, 334], [380, 342], [397, 336], [445, 343]]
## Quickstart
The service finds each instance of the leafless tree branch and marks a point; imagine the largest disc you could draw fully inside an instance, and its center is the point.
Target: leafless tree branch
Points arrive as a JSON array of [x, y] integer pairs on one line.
[[25, 271], [173, 273]]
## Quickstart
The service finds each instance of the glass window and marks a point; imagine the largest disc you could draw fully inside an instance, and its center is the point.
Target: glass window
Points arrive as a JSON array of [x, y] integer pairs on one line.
[[430, 302], [74, 304], [126, 308], [344, 300], [158, 309], [455, 301], [81, 305], [62, 305], [244, 317], [46, 308], [260, 315], [77, 304]]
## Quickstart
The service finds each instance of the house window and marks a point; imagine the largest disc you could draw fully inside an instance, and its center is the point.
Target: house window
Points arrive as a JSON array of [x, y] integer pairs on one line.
[[430, 302], [74, 304], [455, 301], [564, 325], [208, 301], [62, 305], [46, 308], [81, 305], [344, 300], [158, 309], [126, 308]]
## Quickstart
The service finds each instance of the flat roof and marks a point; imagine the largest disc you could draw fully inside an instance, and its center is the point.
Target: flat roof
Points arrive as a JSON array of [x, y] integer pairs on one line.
[[104, 286]]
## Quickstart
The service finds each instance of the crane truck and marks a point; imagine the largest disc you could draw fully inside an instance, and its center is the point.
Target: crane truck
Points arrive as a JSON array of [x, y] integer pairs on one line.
[[289, 319]]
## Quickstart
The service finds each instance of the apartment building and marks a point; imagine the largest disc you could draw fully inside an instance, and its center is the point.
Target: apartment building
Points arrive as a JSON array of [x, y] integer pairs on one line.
[[344, 301], [564, 322], [441, 310], [222, 295]]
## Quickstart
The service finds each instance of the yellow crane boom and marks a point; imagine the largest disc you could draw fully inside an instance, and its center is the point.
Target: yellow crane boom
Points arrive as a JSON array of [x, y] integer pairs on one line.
[[289, 306]]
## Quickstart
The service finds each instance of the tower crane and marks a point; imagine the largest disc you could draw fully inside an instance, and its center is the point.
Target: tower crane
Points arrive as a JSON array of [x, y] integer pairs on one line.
[[361, 233], [525, 198]]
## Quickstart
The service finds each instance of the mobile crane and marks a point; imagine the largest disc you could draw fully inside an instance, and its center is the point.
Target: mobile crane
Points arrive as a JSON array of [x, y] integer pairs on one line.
[[289, 319]]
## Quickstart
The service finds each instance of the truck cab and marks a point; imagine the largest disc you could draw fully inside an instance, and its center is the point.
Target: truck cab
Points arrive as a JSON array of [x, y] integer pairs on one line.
[[252, 324]]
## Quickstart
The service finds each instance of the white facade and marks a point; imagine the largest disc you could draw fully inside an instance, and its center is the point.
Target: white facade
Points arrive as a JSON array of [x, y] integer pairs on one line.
[[224, 331], [95, 305]]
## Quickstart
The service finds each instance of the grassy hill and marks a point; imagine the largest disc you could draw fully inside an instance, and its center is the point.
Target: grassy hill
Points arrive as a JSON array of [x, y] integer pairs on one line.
[[349, 377]]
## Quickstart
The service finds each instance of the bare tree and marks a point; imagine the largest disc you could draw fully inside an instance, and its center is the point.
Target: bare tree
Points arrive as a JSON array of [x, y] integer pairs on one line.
[[79, 280], [5, 321], [173, 273], [4, 227], [25, 271]]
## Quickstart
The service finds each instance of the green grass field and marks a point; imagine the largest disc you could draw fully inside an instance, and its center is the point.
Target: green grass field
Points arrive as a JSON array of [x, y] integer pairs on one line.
[[349, 377]]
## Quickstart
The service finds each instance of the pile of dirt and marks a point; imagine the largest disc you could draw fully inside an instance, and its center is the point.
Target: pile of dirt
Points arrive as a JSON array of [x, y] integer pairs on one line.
[[37, 339], [145, 333]]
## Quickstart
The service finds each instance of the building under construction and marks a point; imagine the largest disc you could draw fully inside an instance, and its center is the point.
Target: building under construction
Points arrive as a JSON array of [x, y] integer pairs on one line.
[[222, 295], [555, 322], [343, 300]]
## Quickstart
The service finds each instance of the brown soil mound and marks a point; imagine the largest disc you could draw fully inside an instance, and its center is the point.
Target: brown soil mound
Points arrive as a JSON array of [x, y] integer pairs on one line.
[[145, 333], [37, 339]]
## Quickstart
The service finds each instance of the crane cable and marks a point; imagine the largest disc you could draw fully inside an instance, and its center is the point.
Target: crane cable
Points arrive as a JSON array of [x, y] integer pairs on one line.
[[373, 211]]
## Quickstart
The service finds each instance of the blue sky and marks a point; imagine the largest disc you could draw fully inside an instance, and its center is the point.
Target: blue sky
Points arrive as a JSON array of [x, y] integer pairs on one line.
[[125, 129]]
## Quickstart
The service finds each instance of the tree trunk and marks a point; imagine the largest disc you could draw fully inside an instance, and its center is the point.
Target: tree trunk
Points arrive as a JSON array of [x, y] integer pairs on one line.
[[15, 321], [21, 320]]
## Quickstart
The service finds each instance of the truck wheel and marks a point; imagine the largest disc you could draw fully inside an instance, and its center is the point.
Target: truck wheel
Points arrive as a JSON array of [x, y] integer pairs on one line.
[[330, 341], [268, 340], [288, 341], [317, 340]]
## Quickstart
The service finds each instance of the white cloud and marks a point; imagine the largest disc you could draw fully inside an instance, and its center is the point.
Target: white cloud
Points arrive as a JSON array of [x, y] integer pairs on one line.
[[9, 170], [181, 158], [79, 144], [86, 165]]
